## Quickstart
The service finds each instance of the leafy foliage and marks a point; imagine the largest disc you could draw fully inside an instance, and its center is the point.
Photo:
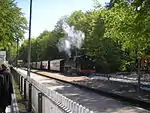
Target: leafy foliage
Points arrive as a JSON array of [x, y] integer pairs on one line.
[[12, 27], [115, 35], [12, 22]]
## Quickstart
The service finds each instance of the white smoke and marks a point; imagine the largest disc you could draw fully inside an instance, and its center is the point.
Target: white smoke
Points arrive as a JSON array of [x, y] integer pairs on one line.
[[74, 39], [64, 45]]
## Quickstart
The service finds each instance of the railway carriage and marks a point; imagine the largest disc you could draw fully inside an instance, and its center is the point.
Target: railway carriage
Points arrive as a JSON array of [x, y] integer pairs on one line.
[[81, 65], [57, 65], [38, 65], [45, 65], [34, 65]]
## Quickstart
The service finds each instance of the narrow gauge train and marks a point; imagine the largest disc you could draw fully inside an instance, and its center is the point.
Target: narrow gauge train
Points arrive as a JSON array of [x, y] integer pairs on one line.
[[81, 65]]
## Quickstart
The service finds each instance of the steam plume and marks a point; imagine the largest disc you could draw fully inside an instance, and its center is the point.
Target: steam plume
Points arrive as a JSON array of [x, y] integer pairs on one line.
[[73, 39]]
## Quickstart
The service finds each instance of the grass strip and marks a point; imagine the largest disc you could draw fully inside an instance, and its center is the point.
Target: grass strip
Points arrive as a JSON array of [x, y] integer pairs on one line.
[[22, 104]]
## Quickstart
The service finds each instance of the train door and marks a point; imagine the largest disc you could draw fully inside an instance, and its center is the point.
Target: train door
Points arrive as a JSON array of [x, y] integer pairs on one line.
[[62, 66]]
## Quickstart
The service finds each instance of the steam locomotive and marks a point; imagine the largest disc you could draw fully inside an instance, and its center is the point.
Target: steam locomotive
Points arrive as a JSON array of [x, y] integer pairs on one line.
[[80, 65]]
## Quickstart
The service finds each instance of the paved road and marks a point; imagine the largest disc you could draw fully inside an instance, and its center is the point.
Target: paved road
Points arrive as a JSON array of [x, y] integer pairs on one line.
[[93, 101]]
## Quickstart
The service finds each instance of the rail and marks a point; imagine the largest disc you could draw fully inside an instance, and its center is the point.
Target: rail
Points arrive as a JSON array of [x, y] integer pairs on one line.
[[43, 100]]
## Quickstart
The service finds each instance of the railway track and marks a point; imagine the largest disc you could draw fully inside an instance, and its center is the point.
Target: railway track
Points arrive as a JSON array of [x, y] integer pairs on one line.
[[134, 101], [95, 102]]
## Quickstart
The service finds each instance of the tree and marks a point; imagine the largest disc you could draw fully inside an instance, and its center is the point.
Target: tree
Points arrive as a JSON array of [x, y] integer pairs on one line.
[[12, 27], [43, 47], [23, 51], [115, 36]]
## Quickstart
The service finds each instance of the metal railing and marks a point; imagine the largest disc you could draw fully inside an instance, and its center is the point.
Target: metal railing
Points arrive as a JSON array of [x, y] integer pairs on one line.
[[44, 100]]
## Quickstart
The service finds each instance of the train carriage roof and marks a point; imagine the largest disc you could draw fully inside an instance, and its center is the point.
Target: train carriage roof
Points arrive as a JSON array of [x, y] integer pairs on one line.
[[56, 60], [45, 61]]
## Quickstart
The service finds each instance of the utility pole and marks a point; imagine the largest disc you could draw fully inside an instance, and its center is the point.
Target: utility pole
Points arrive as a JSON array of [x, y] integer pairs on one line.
[[17, 52], [36, 53], [29, 41], [139, 75]]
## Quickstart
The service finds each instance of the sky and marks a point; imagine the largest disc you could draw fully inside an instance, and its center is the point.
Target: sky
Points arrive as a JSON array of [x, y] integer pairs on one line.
[[46, 13]]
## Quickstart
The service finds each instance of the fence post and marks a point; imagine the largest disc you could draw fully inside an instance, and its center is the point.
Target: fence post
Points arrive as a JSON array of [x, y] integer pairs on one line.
[[30, 98], [21, 84], [108, 77], [19, 80], [40, 102], [25, 88]]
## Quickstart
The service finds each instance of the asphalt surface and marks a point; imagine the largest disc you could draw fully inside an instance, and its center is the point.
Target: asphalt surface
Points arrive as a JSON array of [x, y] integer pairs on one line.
[[93, 101]]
